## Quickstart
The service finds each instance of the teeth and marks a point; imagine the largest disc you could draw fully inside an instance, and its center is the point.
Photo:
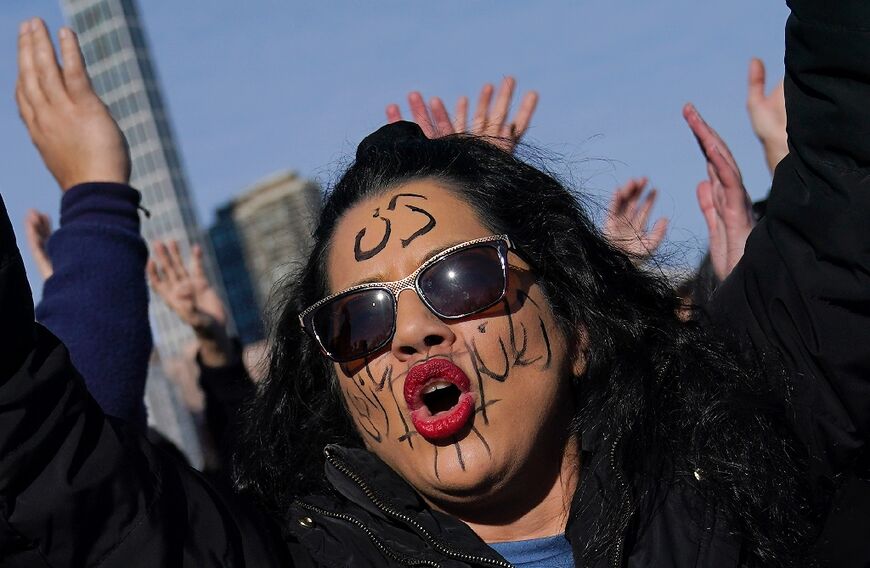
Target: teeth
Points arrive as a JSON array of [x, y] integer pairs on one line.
[[436, 386]]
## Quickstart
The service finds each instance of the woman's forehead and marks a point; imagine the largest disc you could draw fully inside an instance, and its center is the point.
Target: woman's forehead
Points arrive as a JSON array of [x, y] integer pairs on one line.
[[389, 235]]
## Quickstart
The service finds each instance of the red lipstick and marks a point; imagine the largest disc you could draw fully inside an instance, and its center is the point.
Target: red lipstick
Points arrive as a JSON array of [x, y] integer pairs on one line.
[[427, 377]]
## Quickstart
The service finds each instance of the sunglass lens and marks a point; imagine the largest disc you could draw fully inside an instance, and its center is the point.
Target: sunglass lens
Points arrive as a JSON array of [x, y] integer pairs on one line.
[[354, 325], [465, 282]]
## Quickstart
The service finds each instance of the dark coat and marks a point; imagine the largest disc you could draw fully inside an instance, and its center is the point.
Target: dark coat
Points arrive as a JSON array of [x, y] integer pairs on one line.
[[79, 489]]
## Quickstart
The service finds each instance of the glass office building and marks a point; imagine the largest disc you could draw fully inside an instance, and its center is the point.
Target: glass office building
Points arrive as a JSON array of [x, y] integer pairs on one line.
[[116, 53]]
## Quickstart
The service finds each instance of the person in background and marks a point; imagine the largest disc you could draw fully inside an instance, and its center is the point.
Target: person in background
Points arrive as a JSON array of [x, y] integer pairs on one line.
[[626, 219], [490, 120], [222, 375]]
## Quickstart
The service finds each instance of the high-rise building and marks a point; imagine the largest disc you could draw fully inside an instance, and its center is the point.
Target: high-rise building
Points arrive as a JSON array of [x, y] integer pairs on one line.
[[116, 53], [258, 238], [122, 73]]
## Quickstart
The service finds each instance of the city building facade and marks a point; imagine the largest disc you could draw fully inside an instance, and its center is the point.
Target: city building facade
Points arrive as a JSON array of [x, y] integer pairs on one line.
[[123, 75], [259, 238]]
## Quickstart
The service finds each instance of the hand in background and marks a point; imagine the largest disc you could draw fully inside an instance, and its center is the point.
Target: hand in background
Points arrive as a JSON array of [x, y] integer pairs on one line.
[[767, 114], [191, 296], [722, 197], [69, 125], [488, 121], [37, 227], [188, 293], [627, 218]]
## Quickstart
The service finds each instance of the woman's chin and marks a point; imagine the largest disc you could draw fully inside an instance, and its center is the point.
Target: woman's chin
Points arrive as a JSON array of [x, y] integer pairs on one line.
[[470, 479]]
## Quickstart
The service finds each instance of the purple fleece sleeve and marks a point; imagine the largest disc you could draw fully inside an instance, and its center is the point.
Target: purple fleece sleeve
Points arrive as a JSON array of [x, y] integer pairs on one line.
[[96, 301]]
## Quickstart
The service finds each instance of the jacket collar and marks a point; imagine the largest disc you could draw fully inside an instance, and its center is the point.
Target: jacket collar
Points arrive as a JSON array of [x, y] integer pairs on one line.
[[363, 479]]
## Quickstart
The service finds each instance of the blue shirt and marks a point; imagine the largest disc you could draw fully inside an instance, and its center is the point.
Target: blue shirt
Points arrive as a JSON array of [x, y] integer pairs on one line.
[[548, 552]]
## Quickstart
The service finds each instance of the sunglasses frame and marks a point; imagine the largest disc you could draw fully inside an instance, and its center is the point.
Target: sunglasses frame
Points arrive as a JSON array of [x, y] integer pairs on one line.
[[411, 281]]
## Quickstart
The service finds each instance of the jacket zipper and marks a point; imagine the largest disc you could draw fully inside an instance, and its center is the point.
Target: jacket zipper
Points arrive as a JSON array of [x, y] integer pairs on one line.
[[616, 559], [421, 530], [377, 542]]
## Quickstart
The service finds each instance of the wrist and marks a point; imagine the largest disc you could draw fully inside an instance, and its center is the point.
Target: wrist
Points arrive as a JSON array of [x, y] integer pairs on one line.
[[216, 349]]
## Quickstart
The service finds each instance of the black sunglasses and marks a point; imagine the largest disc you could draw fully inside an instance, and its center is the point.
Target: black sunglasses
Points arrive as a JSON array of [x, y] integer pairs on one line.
[[460, 281]]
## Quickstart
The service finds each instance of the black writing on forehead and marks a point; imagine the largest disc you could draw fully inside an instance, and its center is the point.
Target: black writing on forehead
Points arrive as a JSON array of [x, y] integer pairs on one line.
[[361, 254]]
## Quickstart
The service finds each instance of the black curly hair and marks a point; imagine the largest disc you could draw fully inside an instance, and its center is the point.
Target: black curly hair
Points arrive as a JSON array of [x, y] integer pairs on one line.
[[677, 398]]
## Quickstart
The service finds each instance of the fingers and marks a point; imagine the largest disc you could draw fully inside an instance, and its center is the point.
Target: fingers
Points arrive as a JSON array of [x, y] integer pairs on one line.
[[708, 138], [165, 264], [443, 124], [393, 113], [28, 81], [625, 197], [733, 191], [703, 133], [642, 213], [656, 235], [154, 278], [460, 119], [501, 107], [47, 70], [524, 114], [75, 75], [196, 268], [717, 243], [177, 262], [40, 224], [756, 82], [481, 111], [421, 114]]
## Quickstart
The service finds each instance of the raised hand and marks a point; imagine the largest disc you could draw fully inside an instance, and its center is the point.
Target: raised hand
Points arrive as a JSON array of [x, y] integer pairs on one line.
[[722, 197], [489, 120], [627, 218], [188, 293], [37, 227], [70, 126], [767, 114]]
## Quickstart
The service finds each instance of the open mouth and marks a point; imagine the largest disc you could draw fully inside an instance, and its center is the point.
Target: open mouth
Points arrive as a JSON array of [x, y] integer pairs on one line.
[[438, 395]]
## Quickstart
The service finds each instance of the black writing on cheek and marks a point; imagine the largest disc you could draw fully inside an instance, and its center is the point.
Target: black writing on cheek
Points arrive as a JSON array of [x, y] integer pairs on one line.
[[366, 407], [519, 352], [482, 327], [521, 298], [547, 343], [482, 441], [482, 367], [435, 465], [458, 453], [408, 434], [360, 254], [379, 385], [363, 416], [480, 389]]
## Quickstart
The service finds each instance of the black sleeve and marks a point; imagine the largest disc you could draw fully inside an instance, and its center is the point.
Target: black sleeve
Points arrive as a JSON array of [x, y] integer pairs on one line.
[[228, 390], [77, 489], [802, 289]]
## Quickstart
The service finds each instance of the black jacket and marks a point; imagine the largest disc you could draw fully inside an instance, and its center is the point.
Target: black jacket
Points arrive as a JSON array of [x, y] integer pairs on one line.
[[78, 489]]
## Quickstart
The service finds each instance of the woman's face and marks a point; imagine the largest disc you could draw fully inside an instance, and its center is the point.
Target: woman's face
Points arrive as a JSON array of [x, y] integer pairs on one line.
[[469, 410]]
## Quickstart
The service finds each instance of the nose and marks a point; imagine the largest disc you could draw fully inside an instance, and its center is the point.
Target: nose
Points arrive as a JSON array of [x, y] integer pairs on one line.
[[418, 330]]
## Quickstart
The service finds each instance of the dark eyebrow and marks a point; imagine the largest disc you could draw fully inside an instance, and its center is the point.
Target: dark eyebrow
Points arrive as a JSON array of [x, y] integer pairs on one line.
[[383, 278]]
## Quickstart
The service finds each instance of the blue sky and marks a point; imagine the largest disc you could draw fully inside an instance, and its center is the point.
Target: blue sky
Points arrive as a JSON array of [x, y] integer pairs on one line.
[[259, 86]]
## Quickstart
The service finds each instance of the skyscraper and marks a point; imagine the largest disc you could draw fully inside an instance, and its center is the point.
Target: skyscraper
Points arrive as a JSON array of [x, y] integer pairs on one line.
[[258, 238], [118, 61], [116, 53]]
